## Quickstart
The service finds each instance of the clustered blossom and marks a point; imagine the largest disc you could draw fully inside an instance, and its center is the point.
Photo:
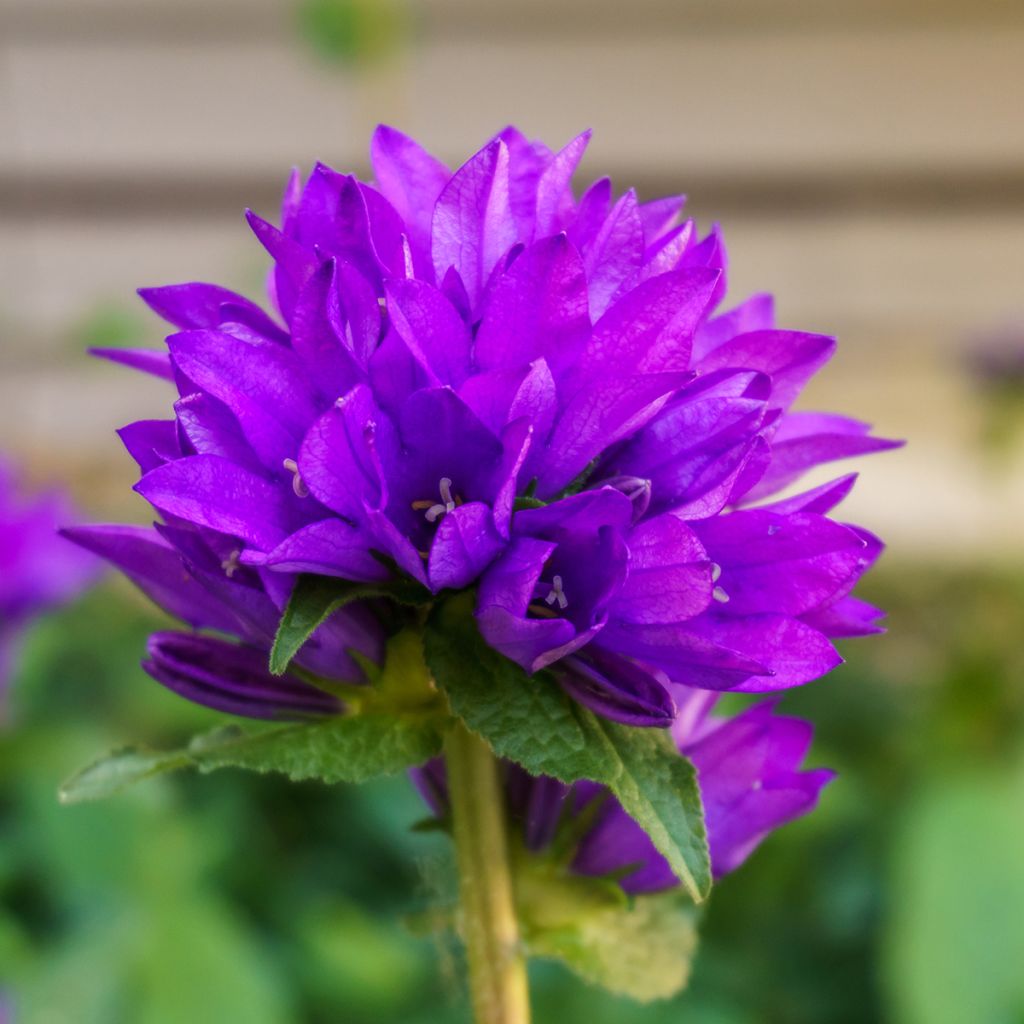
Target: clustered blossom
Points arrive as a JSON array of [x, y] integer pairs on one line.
[[748, 770], [38, 570], [477, 380]]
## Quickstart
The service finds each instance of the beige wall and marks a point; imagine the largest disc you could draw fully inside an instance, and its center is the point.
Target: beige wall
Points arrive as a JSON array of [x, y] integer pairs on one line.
[[866, 160]]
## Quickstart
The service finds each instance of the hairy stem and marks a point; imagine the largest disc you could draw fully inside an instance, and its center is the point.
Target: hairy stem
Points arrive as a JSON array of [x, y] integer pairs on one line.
[[497, 966]]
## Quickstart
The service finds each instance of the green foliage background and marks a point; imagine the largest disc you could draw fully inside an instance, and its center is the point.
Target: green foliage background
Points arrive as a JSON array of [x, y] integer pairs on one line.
[[238, 897]]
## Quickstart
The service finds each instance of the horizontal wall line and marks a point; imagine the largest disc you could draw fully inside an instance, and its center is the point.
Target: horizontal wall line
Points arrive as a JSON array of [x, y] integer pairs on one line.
[[89, 196]]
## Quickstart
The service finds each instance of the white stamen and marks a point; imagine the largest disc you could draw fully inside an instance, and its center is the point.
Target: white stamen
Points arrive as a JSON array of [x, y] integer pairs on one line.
[[298, 484], [641, 489], [230, 564], [447, 503], [718, 593], [557, 594]]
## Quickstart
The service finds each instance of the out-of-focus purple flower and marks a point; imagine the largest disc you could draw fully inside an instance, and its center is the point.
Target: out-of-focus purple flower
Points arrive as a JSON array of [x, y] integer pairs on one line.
[[477, 379], [996, 357], [38, 569], [748, 770]]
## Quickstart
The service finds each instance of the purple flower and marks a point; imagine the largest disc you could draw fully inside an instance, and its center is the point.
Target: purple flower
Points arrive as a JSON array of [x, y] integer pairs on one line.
[[748, 770], [196, 576], [38, 570], [478, 380]]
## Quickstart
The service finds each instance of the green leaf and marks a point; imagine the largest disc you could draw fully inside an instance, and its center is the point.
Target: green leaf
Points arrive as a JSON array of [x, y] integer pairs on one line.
[[640, 947], [658, 788], [528, 719], [643, 950], [337, 750], [315, 599]]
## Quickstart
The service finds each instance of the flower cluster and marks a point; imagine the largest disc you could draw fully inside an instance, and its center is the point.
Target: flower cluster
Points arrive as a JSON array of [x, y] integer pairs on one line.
[[750, 782], [477, 380], [38, 570]]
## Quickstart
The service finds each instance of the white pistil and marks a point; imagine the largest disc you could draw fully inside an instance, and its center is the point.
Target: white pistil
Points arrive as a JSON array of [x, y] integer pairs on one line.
[[231, 563], [718, 593], [298, 484], [557, 594], [446, 504]]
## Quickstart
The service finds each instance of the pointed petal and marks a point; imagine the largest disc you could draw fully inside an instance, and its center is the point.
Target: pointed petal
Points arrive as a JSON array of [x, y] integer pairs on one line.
[[473, 225], [210, 491]]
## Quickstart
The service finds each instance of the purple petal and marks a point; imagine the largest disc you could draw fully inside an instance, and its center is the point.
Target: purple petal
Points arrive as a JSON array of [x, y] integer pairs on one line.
[[847, 617], [197, 305], [780, 564], [411, 180], [210, 491], [658, 216], [618, 689], [537, 309], [554, 192], [820, 500], [790, 358], [598, 416], [465, 543], [649, 330], [340, 458], [694, 452], [792, 651], [473, 225], [615, 254], [585, 512], [293, 263], [756, 314], [669, 574], [157, 570], [527, 162], [690, 655], [330, 547], [318, 334], [155, 362], [211, 429], [231, 678], [616, 842], [807, 439], [264, 386], [499, 396], [151, 443], [431, 328], [750, 783]]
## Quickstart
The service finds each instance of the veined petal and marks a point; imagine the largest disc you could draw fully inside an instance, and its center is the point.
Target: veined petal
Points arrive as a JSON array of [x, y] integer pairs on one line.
[[232, 678], [210, 491], [466, 542], [473, 225]]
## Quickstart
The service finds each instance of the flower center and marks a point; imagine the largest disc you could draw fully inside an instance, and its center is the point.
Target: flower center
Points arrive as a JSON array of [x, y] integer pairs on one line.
[[718, 593], [298, 484], [230, 564], [434, 510]]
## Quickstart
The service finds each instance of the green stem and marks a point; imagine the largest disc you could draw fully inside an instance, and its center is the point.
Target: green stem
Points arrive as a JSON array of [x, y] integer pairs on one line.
[[497, 966]]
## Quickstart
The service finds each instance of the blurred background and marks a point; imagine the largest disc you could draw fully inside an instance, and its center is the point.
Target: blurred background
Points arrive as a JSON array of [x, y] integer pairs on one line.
[[866, 161]]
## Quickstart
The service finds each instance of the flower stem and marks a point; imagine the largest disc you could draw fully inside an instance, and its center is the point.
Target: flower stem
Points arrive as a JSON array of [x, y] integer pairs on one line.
[[497, 966]]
